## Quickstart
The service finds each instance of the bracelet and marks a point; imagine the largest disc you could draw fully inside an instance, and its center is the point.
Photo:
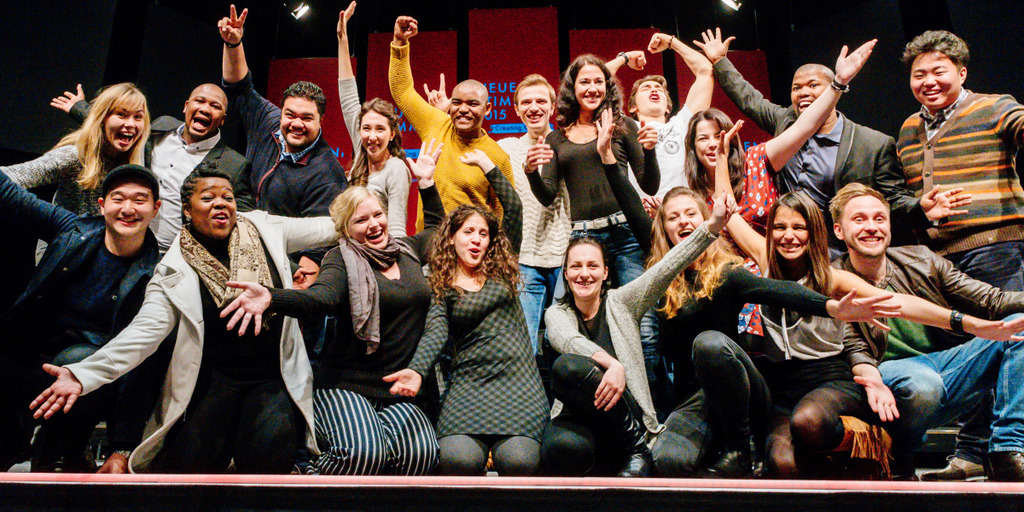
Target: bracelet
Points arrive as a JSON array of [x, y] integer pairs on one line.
[[236, 45], [840, 87], [625, 58], [956, 321]]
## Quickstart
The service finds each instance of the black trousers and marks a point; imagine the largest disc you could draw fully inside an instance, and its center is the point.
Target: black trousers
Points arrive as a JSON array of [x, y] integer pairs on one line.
[[253, 422]]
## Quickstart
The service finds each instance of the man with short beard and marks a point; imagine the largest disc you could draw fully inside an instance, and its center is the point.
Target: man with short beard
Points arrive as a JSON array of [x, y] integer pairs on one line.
[[461, 130], [932, 380], [175, 148]]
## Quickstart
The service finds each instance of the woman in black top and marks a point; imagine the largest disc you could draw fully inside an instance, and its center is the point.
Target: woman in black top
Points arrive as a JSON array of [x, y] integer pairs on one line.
[[374, 285]]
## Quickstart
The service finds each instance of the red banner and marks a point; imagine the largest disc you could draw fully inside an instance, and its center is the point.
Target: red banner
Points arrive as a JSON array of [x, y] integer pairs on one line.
[[753, 65], [324, 73], [431, 53], [505, 45], [608, 43]]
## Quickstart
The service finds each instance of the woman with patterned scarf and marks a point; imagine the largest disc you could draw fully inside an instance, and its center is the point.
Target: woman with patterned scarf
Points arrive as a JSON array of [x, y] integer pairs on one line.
[[227, 396], [373, 283]]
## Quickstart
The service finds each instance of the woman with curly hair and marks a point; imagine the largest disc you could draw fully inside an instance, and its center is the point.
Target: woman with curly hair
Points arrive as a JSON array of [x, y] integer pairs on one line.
[[379, 163], [494, 401], [114, 133]]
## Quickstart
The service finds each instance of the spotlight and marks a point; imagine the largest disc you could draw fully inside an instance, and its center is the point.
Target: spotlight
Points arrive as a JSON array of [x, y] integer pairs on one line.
[[303, 8], [734, 4]]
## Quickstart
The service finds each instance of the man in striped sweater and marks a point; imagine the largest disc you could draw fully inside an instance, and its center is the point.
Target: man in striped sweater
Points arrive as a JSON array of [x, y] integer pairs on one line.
[[961, 139]]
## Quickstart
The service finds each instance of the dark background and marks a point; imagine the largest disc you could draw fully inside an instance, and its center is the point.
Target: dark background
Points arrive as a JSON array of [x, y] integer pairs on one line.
[[169, 46]]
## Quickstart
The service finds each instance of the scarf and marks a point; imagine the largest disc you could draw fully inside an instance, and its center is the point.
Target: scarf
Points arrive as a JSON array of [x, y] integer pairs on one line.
[[248, 262], [360, 262]]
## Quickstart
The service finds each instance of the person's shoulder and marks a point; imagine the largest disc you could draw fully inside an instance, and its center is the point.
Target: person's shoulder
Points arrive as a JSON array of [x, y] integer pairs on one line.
[[164, 124], [865, 135]]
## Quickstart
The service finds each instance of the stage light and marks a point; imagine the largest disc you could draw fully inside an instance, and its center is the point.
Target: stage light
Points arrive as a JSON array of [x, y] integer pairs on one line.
[[734, 4], [300, 11]]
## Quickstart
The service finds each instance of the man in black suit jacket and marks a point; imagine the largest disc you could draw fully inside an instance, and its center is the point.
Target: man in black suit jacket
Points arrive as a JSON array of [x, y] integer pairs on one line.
[[175, 148], [862, 155]]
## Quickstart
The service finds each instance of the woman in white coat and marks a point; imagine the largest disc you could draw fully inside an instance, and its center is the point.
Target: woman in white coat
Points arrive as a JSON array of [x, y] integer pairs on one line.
[[225, 396]]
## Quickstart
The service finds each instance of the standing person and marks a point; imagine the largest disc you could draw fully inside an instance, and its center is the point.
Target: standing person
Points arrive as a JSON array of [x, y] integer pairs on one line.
[[964, 139], [374, 285], [87, 287], [294, 170], [175, 148], [460, 130], [226, 396], [838, 152], [494, 402], [545, 228], [933, 380], [114, 133], [379, 164]]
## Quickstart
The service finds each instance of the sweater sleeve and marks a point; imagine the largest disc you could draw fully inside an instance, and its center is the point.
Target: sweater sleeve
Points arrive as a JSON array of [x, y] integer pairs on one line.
[[563, 332], [435, 337], [396, 188], [644, 162], [642, 293], [55, 165], [323, 297], [433, 214], [637, 218], [512, 207], [544, 181], [421, 114], [348, 94]]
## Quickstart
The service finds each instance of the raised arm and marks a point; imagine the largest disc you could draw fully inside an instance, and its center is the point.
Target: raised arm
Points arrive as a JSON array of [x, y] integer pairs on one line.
[[348, 91], [780, 149], [542, 170], [511, 205], [749, 241], [41, 218], [421, 115], [635, 59], [433, 209], [749, 100], [698, 98], [637, 146], [69, 102], [233, 64]]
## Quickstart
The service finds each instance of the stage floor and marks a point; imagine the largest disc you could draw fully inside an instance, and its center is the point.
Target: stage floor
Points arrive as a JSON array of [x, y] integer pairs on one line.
[[34, 491]]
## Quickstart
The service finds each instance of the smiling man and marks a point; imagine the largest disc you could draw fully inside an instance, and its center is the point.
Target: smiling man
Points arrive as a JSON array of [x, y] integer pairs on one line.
[[294, 170], [88, 285], [174, 149], [460, 130]]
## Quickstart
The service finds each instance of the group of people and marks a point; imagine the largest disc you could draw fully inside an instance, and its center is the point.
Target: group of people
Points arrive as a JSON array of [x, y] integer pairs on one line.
[[715, 311]]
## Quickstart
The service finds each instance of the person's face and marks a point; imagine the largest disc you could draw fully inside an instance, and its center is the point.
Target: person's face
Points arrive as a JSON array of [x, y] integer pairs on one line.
[[705, 143], [300, 123], [122, 129], [204, 112], [651, 99], [369, 224], [864, 226], [789, 234], [590, 87], [375, 133], [585, 271], [807, 86], [212, 208], [682, 217], [128, 209], [471, 241], [936, 81], [468, 108], [534, 107]]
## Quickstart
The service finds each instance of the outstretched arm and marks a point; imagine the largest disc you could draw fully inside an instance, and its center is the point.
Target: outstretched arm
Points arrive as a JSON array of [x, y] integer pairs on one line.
[[780, 149], [699, 96], [348, 92], [749, 100], [511, 205], [634, 59], [233, 65], [421, 115]]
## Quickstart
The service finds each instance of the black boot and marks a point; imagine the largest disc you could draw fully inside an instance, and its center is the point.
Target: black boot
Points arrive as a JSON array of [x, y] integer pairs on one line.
[[732, 464], [1006, 466], [639, 461]]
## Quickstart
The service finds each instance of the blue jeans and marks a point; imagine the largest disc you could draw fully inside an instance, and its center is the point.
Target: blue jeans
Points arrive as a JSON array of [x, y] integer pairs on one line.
[[539, 288], [933, 389], [627, 260], [1001, 265]]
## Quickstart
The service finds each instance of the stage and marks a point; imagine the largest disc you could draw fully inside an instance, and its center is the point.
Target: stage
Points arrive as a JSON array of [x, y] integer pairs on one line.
[[34, 491]]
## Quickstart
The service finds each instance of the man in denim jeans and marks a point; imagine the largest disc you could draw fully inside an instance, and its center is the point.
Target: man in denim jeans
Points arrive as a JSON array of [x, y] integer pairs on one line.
[[933, 380]]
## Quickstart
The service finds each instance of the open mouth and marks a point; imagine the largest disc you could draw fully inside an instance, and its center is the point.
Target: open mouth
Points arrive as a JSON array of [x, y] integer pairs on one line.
[[790, 247], [200, 122], [375, 237], [535, 117], [870, 240], [474, 252], [125, 138], [685, 233], [220, 219], [803, 104]]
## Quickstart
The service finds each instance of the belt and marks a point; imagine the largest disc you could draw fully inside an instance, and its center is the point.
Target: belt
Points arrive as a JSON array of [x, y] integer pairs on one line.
[[599, 223]]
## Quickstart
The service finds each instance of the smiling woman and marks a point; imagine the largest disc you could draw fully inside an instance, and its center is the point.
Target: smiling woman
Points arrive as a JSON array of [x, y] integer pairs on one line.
[[114, 133]]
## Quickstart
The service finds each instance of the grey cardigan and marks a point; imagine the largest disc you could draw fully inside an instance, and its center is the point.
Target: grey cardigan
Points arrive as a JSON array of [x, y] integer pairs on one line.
[[623, 308]]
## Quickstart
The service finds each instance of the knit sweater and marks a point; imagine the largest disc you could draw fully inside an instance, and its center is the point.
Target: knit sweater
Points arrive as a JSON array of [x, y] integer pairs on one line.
[[391, 182], [61, 166], [545, 229], [973, 149], [624, 307], [458, 183]]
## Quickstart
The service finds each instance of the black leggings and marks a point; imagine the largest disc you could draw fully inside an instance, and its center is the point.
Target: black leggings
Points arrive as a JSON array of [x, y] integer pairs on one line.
[[582, 439]]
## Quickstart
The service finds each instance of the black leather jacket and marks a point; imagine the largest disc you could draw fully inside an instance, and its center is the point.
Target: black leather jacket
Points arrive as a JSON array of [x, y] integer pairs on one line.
[[916, 270]]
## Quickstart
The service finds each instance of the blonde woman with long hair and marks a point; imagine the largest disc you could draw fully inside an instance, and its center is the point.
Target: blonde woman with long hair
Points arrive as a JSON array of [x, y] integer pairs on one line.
[[114, 133]]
